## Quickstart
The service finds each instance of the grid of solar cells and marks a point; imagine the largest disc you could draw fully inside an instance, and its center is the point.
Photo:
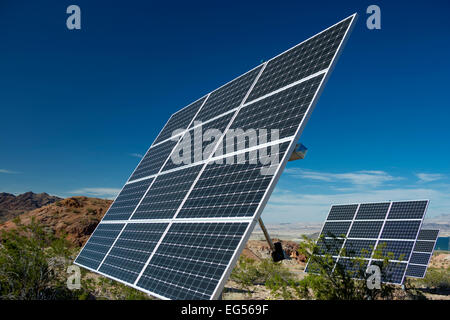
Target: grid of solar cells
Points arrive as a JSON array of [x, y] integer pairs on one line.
[[426, 234], [392, 273], [401, 229], [191, 259], [416, 271], [400, 250], [283, 111], [229, 190], [309, 57], [179, 120], [127, 200], [372, 211], [420, 258], [408, 209], [423, 251], [335, 229], [131, 250], [153, 160], [342, 212], [373, 226], [166, 194], [352, 267], [365, 229], [98, 245], [424, 246], [359, 248], [228, 97], [169, 276], [197, 145]]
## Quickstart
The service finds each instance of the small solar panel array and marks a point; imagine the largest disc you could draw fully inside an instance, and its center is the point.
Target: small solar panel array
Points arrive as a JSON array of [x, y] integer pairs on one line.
[[422, 253], [370, 231], [176, 230]]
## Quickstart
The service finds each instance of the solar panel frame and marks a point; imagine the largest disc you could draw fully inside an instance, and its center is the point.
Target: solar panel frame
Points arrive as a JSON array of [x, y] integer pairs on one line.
[[252, 220]]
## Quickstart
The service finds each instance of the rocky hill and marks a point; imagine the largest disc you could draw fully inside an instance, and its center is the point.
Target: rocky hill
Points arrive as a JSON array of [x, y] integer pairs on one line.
[[77, 217], [12, 205]]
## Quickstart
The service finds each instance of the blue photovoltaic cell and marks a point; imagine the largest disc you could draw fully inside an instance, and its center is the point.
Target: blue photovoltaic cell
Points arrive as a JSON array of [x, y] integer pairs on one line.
[[195, 143], [416, 271], [424, 246], [394, 272], [408, 210], [166, 194], [177, 258], [127, 200], [179, 120], [400, 230], [228, 97], [191, 259], [359, 248], [422, 253], [431, 235], [365, 229], [374, 225], [153, 160], [335, 229], [98, 245], [372, 211], [131, 251], [282, 111], [307, 58], [342, 212], [400, 250], [420, 258], [233, 190]]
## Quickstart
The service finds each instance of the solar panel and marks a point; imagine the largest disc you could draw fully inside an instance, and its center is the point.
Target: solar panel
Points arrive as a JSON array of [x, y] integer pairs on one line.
[[423, 251], [371, 231], [177, 228]]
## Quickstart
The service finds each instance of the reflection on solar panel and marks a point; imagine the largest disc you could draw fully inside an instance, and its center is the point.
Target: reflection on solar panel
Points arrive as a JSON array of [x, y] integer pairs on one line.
[[371, 231], [423, 251], [177, 228]]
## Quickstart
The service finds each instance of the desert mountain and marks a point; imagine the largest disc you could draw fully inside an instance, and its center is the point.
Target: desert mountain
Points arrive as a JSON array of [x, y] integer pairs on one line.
[[12, 205], [77, 217]]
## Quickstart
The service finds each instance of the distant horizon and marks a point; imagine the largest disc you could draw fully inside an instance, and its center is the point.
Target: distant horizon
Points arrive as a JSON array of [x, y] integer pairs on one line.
[[268, 219]]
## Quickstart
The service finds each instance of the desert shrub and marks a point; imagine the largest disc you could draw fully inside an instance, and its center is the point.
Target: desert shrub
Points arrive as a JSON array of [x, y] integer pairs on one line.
[[330, 281], [31, 257], [437, 278], [33, 264]]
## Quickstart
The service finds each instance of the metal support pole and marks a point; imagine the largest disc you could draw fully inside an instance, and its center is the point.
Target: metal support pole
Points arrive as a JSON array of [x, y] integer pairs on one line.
[[266, 234]]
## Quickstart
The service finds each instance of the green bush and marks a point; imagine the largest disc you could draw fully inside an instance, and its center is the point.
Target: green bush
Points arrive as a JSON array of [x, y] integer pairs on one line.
[[33, 264]]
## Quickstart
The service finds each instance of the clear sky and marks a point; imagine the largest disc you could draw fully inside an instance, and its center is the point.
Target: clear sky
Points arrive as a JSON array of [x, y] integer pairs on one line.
[[77, 108]]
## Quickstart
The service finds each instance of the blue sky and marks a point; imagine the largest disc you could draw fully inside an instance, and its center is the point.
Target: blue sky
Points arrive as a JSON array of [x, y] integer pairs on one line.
[[78, 107]]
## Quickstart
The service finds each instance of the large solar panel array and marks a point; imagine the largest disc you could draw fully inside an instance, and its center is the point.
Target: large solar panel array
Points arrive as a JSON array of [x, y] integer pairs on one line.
[[176, 229], [370, 231], [422, 253]]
